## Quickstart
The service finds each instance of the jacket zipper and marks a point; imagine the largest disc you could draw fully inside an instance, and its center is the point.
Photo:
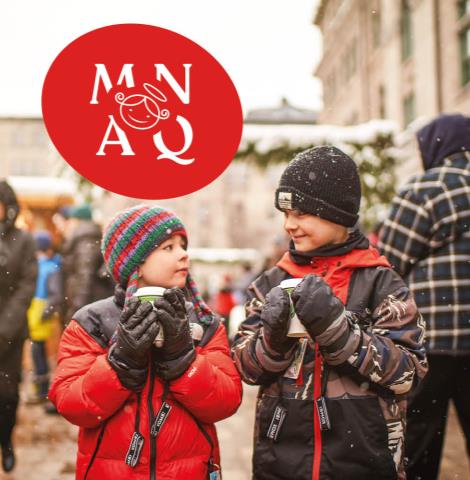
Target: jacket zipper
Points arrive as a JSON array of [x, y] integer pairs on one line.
[[153, 440], [98, 443], [317, 387]]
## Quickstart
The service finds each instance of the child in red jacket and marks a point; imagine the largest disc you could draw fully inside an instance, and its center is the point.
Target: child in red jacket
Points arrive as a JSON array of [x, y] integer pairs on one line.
[[146, 411]]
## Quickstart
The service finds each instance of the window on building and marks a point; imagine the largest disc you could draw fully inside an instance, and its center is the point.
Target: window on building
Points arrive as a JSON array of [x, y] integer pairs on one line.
[[465, 55], [406, 30], [408, 109], [464, 8], [376, 27], [382, 111]]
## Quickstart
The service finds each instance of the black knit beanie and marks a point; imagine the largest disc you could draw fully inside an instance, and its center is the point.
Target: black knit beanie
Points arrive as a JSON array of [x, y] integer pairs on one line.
[[322, 181]]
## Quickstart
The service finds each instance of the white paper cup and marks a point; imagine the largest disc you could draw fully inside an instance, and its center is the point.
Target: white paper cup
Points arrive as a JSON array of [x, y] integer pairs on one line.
[[150, 294], [296, 329]]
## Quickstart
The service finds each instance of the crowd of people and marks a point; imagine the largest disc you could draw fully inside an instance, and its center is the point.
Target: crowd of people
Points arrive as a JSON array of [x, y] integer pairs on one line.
[[360, 391]]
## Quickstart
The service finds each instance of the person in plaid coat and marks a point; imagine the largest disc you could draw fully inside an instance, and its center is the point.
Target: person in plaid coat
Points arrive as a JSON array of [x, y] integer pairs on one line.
[[426, 238]]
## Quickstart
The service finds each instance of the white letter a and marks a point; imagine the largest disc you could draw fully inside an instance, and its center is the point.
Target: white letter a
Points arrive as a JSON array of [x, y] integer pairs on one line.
[[122, 139]]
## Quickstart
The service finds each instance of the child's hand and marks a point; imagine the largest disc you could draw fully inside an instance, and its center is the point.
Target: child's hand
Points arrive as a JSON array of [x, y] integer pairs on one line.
[[275, 316], [316, 305], [177, 352], [136, 332]]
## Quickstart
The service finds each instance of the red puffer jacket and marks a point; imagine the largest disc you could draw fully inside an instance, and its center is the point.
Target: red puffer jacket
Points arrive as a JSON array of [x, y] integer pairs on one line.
[[88, 393]]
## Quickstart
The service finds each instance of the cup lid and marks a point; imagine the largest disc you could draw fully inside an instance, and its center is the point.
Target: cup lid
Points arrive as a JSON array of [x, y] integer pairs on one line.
[[290, 282], [144, 291]]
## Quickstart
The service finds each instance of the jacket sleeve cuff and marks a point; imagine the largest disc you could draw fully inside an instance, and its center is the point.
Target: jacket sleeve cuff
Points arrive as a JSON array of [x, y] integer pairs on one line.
[[130, 378], [173, 369], [339, 341], [270, 360]]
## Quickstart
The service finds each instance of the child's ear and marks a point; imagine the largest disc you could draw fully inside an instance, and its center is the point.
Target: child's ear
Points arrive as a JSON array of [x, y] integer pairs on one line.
[[139, 272]]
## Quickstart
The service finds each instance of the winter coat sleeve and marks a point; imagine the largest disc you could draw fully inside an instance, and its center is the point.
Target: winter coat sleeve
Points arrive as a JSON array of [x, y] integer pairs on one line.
[[210, 388], [421, 221], [13, 312], [55, 293], [87, 258], [257, 364], [404, 238], [389, 351], [85, 390]]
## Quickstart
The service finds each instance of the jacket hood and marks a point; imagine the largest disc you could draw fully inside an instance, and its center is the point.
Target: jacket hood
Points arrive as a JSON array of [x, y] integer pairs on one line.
[[445, 135], [12, 208]]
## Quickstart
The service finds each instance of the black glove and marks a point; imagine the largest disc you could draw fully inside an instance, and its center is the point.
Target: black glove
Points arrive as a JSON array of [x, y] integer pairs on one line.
[[275, 316], [316, 305], [136, 332], [177, 352]]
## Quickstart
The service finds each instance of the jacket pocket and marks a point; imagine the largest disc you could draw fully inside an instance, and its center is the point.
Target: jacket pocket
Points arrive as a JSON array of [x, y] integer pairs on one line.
[[291, 454], [356, 446]]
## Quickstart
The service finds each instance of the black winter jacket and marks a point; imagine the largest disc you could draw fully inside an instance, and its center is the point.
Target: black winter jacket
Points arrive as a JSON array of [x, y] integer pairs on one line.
[[362, 367], [85, 277], [18, 271]]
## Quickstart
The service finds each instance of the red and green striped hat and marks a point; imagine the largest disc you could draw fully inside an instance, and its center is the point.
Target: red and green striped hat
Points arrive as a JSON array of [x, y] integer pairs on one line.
[[131, 236]]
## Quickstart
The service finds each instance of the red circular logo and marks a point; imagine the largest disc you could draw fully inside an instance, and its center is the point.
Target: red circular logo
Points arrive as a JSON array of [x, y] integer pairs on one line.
[[142, 111]]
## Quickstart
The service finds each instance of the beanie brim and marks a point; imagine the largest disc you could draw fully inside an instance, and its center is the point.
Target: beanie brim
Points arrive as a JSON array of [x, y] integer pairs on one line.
[[289, 198]]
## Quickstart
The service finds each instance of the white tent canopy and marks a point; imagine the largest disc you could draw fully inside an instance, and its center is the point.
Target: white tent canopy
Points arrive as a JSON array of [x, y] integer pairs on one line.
[[42, 186]]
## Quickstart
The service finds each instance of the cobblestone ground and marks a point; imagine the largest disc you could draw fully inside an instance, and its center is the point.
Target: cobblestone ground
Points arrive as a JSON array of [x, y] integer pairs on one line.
[[45, 446]]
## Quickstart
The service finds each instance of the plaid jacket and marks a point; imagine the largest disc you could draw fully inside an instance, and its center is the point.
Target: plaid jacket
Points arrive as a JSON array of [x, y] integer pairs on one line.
[[427, 239]]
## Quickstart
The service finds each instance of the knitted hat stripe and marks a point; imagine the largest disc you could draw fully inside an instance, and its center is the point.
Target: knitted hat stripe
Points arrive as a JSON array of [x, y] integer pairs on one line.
[[203, 312], [132, 285], [115, 230], [145, 240], [139, 241]]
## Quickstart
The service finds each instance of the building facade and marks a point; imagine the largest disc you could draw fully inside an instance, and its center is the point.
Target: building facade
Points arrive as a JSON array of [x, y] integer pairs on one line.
[[398, 60], [236, 210]]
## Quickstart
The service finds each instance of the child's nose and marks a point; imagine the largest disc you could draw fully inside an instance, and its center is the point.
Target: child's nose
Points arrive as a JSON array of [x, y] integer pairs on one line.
[[289, 223]]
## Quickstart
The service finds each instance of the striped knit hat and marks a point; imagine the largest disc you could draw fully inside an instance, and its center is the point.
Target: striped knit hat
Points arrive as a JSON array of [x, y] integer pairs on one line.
[[131, 236]]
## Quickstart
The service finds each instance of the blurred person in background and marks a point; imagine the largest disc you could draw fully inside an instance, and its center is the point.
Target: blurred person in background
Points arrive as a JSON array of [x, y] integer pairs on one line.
[[224, 300], [426, 238], [373, 235], [85, 277], [18, 270], [46, 303], [242, 284]]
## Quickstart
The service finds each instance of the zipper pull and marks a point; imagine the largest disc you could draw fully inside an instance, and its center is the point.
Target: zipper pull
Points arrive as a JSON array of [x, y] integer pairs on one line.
[[323, 417], [160, 419], [135, 449]]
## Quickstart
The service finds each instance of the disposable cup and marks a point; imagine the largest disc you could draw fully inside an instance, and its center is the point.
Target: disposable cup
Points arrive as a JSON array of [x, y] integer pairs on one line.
[[150, 294], [296, 329]]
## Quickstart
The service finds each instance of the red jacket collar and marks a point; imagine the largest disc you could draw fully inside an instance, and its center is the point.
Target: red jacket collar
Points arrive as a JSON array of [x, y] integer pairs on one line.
[[355, 259]]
